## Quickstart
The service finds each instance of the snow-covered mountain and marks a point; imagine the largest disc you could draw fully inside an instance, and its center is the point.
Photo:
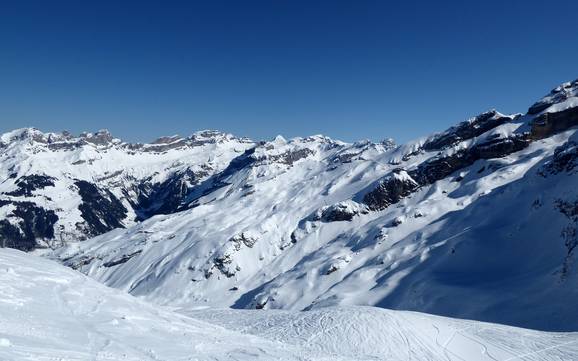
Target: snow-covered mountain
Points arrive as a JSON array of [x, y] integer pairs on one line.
[[477, 222], [57, 188], [51, 313]]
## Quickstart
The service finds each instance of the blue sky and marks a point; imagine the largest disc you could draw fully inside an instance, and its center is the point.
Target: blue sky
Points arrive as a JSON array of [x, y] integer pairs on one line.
[[348, 69]]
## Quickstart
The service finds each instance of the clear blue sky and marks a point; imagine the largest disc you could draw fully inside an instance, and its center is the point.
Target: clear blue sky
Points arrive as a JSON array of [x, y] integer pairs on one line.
[[348, 69]]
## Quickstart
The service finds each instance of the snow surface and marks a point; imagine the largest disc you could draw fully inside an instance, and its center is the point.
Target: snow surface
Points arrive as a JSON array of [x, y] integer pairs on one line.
[[476, 238], [50, 312]]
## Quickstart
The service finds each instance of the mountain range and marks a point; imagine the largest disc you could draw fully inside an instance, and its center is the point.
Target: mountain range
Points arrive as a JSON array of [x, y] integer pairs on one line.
[[477, 222]]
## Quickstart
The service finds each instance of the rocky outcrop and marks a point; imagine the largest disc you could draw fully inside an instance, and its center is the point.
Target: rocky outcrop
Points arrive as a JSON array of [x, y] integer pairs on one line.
[[102, 137], [123, 259], [337, 264], [565, 159], [557, 95], [441, 167], [100, 209], [168, 196], [548, 124], [570, 232], [500, 147], [342, 211], [164, 144], [396, 222], [289, 157], [198, 139], [76, 262], [244, 238], [28, 184], [360, 149], [224, 259], [467, 130], [390, 190], [402, 183], [26, 225]]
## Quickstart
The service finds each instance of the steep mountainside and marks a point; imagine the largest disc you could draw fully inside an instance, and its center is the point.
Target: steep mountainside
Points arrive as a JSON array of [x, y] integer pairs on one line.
[[56, 188], [485, 211], [52, 313]]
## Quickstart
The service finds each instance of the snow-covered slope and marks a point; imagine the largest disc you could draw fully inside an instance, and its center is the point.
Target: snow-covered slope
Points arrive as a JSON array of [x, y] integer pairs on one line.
[[56, 188], [369, 333], [53, 313], [485, 211]]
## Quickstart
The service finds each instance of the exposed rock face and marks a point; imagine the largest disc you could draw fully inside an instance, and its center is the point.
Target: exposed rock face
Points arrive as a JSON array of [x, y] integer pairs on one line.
[[28, 184], [102, 137], [440, 167], [77, 263], [198, 139], [164, 144], [547, 124], [565, 159], [290, 157], [123, 259], [346, 157], [245, 238], [361, 151], [33, 135], [557, 95], [569, 233], [167, 140], [390, 190], [402, 183], [467, 130], [500, 147], [342, 211], [396, 221], [168, 196], [100, 209], [224, 260], [31, 223], [337, 264]]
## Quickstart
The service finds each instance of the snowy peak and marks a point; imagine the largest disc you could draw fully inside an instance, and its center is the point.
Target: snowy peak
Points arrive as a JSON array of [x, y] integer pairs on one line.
[[33, 135], [560, 98], [282, 151], [56, 188], [30, 135], [65, 141], [197, 139], [467, 130]]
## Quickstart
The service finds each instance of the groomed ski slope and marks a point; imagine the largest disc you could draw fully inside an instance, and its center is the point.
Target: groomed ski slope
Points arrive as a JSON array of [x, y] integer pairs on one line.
[[49, 312]]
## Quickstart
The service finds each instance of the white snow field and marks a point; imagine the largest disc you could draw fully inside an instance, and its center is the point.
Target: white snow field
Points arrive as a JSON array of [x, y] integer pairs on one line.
[[52, 313], [49, 312]]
